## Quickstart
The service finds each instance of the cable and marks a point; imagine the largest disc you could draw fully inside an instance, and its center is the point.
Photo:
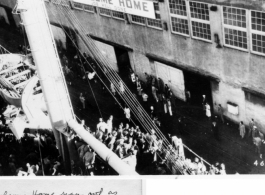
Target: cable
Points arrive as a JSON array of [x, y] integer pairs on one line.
[[87, 79], [40, 155], [127, 98]]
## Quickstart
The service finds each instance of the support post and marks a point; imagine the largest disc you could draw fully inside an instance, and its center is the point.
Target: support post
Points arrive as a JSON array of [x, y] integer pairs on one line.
[[42, 44]]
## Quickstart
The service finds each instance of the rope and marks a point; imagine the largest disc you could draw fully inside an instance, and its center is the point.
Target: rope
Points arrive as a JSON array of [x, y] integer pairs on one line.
[[133, 122], [115, 82], [4, 49], [24, 37], [83, 68], [41, 156], [162, 138]]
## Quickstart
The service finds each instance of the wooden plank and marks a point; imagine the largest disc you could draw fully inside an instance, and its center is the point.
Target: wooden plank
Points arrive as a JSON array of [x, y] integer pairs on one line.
[[17, 75], [21, 84], [11, 68]]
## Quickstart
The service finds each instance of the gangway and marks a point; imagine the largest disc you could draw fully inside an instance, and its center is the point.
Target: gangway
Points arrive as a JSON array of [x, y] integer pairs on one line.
[[44, 52]]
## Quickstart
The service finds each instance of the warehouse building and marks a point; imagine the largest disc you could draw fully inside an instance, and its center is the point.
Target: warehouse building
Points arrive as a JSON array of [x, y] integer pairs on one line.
[[212, 48]]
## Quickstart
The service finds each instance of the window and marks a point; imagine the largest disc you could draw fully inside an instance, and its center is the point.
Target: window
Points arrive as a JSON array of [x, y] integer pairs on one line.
[[201, 30], [104, 12], [200, 21], [179, 25], [178, 15], [78, 5], [236, 38], [199, 11], [118, 15], [178, 7], [89, 8], [235, 28], [234, 17], [138, 19], [157, 23], [258, 32]]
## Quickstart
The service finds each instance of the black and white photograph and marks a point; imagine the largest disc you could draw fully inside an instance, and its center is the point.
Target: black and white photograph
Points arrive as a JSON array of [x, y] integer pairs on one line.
[[135, 88]]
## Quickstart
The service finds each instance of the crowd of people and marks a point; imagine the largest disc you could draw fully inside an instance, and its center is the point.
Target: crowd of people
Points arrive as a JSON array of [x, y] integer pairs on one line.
[[35, 153], [143, 152], [254, 134]]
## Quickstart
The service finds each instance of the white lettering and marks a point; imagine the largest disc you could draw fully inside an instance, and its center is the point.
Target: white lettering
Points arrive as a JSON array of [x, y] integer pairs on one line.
[[145, 6], [122, 3], [137, 5], [128, 3], [142, 8]]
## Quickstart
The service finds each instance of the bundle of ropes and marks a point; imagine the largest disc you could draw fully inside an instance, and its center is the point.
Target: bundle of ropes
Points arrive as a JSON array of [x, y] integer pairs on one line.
[[3, 83], [67, 16], [3, 50]]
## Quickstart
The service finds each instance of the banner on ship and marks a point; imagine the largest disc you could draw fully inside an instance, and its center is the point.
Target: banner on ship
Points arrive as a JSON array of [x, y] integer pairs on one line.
[[135, 7]]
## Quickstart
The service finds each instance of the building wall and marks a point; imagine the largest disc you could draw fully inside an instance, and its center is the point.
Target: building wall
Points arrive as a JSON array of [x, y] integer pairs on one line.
[[255, 109], [233, 67], [228, 64], [230, 93], [249, 4]]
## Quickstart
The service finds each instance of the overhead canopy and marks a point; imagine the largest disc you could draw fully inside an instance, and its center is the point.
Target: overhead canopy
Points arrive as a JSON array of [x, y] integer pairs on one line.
[[183, 67]]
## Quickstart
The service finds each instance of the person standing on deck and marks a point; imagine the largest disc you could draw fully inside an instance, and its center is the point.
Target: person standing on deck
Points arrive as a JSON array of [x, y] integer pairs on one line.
[[262, 148], [188, 96], [208, 111], [82, 99], [121, 87], [171, 97], [242, 129], [169, 107], [110, 124], [133, 77], [164, 103], [139, 87], [251, 127], [203, 102], [127, 113], [154, 89], [161, 88], [112, 88], [257, 142], [221, 113], [166, 91], [215, 130], [255, 133], [145, 100]]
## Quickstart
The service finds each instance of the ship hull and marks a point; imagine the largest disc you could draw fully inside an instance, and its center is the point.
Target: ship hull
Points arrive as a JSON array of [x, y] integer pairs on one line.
[[10, 100]]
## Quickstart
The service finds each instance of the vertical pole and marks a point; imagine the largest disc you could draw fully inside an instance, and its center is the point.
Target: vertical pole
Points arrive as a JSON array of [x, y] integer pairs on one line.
[[53, 84], [49, 70]]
